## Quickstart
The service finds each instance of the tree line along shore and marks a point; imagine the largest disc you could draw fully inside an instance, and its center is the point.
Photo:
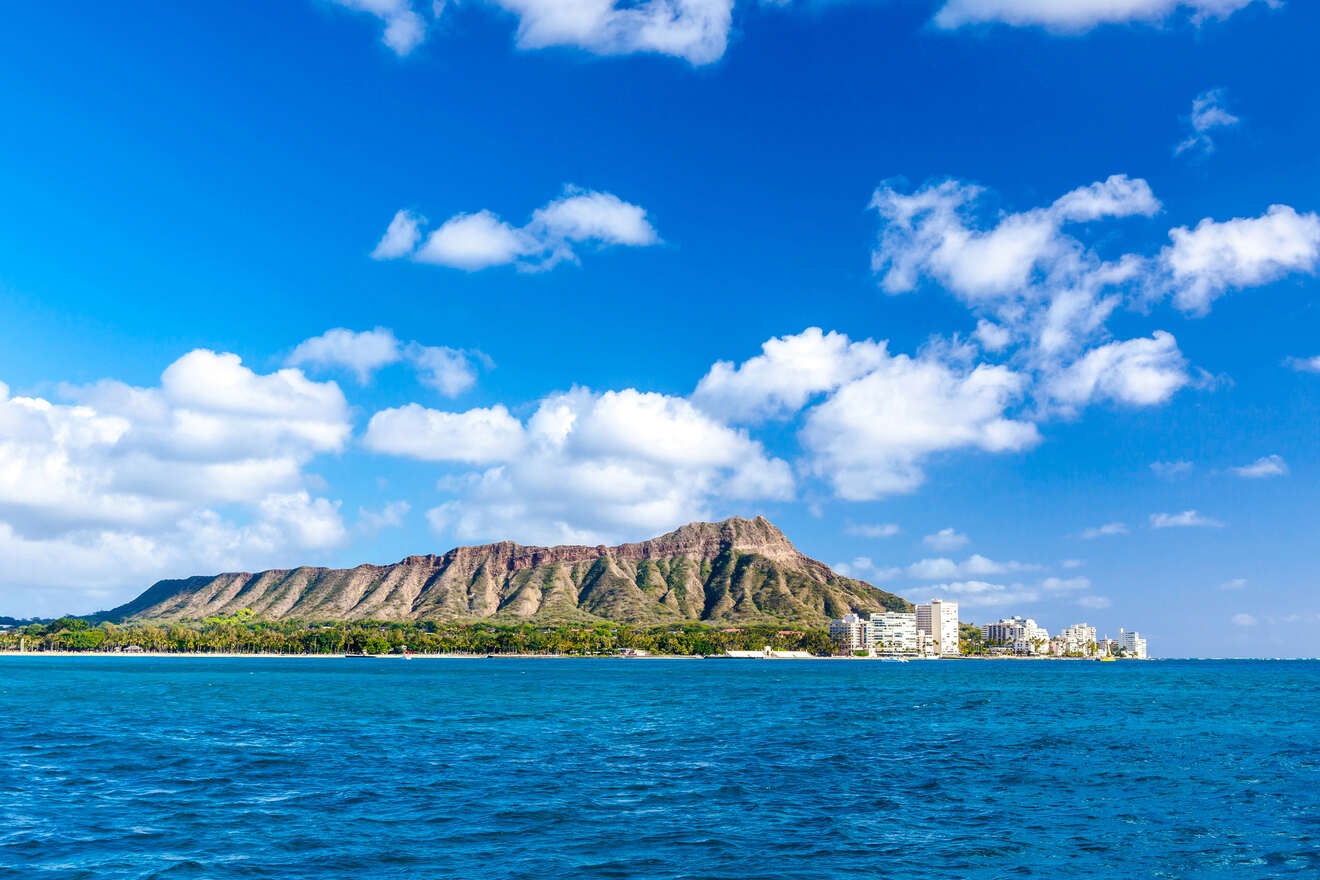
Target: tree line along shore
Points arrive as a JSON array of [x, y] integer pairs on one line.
[[243, 634]]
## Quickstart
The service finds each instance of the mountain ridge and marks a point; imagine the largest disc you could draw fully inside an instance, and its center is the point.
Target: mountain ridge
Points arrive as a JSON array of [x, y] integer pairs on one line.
[[734, 571]]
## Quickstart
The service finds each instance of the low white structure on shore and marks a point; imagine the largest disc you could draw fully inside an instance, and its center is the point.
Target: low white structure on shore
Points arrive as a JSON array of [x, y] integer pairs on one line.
[[768, 653]]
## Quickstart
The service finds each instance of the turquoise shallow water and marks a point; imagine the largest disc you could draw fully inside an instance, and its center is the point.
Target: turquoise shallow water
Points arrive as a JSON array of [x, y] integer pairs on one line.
[[329, 768]]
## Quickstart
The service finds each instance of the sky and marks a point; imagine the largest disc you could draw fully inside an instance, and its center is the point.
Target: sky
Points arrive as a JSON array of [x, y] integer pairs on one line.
[[1011, 302]]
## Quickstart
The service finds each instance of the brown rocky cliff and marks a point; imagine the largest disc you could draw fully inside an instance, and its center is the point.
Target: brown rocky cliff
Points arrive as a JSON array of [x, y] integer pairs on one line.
[[739, 570]]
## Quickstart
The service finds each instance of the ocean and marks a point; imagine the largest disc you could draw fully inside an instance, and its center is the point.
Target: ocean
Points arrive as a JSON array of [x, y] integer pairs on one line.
[[524, 768]]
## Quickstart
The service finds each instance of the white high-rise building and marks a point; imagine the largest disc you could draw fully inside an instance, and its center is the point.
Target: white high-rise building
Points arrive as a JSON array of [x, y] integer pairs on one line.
[[849, 634], [939, 620], [1078, 639], [892, 632], [1022, 634], [1133, 644]]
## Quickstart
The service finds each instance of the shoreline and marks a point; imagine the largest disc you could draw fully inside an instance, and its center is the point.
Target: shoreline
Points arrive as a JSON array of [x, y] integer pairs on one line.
[[461, 656]]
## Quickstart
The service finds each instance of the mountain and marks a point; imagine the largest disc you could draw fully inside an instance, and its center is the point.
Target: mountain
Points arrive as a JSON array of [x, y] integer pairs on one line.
[[736, 571]]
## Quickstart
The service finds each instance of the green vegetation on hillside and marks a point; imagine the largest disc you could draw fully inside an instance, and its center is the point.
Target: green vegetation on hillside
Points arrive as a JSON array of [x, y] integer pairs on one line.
[[239, 633]]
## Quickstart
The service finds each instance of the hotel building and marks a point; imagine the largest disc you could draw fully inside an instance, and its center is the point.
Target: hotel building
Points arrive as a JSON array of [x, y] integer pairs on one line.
[[939, 620]]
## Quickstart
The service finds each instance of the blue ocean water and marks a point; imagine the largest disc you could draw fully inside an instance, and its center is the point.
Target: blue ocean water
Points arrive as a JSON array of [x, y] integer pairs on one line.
[[523, 768]]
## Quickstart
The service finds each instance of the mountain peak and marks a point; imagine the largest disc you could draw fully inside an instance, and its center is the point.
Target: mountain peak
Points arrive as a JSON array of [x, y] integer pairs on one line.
[[737, 570]]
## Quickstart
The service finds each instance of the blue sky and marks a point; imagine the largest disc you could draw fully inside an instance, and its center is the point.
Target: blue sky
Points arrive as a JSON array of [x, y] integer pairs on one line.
[[594, 209]]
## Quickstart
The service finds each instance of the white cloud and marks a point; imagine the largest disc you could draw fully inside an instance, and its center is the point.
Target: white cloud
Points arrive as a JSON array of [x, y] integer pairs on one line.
[[392, 515], [992, 336], [1094, 602], [586, 467], [1043, 297], [1188, 518], [1268, 466], [873, 530], [872, 436], [1204, 263], [1113, 528], [782, 379], [1138, 372], [975, 565], [1243, 619], [1034, 286], [1171, 470], [1065, 585], [1073, 563], [1116, 196], [481, 240], [204, 470], [864, 569], [1304, 365], [400, 238], [475, 241], [945, 540], [695, 30], [1081, 15], [476, 436], [404, 27], [1234, 584], [363, 352], [982, 594], [1208, 113], [450, 371], [447, 370]]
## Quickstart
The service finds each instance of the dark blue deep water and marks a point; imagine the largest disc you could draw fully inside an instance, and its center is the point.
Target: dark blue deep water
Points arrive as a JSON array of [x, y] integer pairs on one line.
[[333, 768]]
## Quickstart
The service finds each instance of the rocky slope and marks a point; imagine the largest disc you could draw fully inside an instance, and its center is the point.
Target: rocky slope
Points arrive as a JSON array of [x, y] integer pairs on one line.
[[739, 570]]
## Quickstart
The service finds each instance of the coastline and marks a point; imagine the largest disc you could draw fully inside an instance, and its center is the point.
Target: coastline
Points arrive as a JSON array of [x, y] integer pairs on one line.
[[461, 656]]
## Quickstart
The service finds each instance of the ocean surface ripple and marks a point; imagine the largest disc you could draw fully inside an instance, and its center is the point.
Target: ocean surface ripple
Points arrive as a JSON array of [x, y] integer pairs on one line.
[[776, 770]]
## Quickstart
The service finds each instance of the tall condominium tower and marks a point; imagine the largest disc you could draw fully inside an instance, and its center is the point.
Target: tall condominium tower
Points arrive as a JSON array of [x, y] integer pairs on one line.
[[939, 620]]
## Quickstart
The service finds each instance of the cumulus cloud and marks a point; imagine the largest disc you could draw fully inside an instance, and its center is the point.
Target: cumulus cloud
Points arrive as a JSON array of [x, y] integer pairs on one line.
[[1267, 466], [863, 568], [450, 371], [1065, 585], [400, 238], [1096, 602], [361, 352], [1208, 113], [392, 515], [873, 418], [1081, 15], [585, 467], [789, 372], [695, 30], [975, 565], [1304, 365], [945, 540], [404, 27], [1244, 619], [480, 240], [1043, 297], [870, 438], [477, 436], [1186, 519], [981, 594], [873, 530], [203, 470], [1205, 262], [1140, 372], [1113, 528], [1171, 470]]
